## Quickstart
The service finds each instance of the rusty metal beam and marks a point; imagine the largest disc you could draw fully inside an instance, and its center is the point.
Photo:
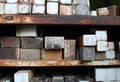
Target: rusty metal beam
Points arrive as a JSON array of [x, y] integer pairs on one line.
[[49, 63], [59, 19]]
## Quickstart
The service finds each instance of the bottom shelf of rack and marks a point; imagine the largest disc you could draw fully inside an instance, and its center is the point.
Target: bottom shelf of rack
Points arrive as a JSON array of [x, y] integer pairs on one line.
[[46, 63]]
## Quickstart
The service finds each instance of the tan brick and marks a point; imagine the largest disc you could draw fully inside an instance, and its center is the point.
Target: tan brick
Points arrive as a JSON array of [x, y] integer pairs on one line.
[[65, 10], [48, 54], [102, 12]]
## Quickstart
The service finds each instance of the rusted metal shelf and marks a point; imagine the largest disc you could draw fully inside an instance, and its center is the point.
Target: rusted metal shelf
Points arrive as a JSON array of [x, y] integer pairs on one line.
[[49, 63], [59, 19]]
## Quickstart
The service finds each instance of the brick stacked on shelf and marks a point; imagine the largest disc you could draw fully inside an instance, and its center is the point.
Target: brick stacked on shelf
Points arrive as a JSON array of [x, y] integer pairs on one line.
[[9, 47], [81, 7], [52, 7], [107, 74], [23, 76], [69, 49], [86, 47], [95, 46], [31, 44], [41, 79], [103, 45], [57, 79], [8, 78], [66, 7], [108, 11], [38, 7], [53, 48]]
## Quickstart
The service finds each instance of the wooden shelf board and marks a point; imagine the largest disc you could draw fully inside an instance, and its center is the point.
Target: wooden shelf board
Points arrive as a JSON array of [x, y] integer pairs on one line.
[[47, 63], [59, 19]]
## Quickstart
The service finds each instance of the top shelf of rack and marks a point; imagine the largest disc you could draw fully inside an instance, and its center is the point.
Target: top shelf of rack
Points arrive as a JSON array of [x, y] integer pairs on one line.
[[59, 19]]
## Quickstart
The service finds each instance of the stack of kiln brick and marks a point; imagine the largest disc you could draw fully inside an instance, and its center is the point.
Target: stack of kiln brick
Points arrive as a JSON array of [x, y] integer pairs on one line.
[[95, 46], [57, 48], [61, 7], [107, 74], [31, 44], [10, 46]]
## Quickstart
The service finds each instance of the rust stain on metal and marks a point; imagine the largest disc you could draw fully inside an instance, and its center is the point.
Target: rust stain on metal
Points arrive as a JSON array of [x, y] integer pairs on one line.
[[57, 63], [59, 19], [39, 63]]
